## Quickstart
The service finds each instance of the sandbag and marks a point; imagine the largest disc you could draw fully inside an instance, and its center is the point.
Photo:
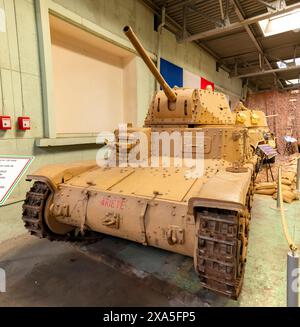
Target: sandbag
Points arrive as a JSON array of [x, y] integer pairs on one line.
[[287, 196], [265, 185], [266, 191], [285, 187], [290, 175], [285, 181]]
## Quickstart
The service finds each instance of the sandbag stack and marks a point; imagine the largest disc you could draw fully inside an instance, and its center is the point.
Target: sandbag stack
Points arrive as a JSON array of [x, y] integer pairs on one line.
[[265, 188], [288, 185]]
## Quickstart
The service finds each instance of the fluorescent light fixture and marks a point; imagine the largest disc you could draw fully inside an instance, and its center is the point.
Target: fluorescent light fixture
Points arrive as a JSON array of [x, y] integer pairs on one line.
[[281, 23], [288, 62], [293, 81]]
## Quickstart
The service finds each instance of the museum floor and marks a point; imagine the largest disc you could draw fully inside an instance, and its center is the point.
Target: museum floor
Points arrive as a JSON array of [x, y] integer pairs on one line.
[[115, 272]]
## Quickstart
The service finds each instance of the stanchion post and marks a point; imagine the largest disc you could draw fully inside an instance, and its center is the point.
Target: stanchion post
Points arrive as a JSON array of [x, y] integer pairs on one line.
[[278, 188], [292, 279], [298, 175]]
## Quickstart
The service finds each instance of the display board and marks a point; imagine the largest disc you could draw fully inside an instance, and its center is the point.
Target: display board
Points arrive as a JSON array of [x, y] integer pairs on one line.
[[268, 151], [11, 170]]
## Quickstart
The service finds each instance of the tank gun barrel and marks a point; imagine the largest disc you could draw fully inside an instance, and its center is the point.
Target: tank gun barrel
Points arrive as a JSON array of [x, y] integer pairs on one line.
[[142, 52]]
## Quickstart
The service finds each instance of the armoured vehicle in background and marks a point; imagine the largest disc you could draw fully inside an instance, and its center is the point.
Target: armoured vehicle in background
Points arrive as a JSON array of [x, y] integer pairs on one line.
[[256, 122], [205, 217]]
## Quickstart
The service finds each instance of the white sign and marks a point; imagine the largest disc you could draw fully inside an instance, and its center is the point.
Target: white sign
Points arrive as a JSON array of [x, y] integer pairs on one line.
[[2, 21], [11, 170]]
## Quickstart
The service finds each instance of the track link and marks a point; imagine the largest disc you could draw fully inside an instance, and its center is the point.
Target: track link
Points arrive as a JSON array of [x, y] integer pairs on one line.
[[33, 217], [221, 250]]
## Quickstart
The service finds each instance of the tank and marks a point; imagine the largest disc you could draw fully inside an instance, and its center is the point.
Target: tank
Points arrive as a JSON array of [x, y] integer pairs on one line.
[[205, 216], [256, 122]]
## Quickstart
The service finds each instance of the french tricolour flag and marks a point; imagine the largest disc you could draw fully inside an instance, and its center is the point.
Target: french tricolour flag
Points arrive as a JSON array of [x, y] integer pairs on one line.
[[177, 76]]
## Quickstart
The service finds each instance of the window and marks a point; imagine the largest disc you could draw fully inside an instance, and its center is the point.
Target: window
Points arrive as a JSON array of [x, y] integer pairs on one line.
[[288, 62], [293, 81], [281, 23]]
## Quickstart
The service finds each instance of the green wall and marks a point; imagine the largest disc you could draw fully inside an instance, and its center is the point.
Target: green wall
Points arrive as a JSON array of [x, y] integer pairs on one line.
[[21, 80]]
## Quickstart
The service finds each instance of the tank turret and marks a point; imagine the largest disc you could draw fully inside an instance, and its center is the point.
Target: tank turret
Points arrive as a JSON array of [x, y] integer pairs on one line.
[[249, 117], [182, 106], [256, 122]]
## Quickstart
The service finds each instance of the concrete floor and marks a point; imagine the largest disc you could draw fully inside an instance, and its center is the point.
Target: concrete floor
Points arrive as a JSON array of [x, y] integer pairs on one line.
[[114, 272], [40, 273], [10, 223]]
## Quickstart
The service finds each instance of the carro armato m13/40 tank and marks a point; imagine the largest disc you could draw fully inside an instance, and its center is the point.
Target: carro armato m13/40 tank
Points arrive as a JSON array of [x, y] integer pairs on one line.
[[202, 216]]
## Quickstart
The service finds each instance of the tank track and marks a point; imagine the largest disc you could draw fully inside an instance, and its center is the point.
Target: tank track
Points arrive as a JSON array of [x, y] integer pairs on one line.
[[221, 251], [33, 217]]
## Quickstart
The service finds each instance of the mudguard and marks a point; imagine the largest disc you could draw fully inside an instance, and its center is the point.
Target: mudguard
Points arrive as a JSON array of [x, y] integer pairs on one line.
[[225, 190], [60, 173]]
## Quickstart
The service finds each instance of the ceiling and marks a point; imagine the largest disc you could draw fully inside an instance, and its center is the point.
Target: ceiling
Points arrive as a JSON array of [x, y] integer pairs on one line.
[[241, 51]]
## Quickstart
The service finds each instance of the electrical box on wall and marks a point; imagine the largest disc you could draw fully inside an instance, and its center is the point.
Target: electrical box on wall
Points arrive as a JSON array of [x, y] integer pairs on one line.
[[5, 123], [24, 123]]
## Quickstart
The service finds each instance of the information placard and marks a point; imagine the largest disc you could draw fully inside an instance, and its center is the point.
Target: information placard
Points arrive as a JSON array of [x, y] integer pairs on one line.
[[11, 170], [267, 150]]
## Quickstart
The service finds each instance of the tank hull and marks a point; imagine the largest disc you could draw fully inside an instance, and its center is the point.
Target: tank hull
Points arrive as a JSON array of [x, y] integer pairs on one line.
[[143, 205]]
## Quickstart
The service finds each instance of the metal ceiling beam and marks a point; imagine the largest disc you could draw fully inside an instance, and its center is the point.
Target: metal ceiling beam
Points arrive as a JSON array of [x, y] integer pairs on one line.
[[174, 27], [294, 87], [247, 28], [270, 71], [241, 17], [221, 9], [245, 22], [216, 22], [266, 51], [266, 4], [181, 4]]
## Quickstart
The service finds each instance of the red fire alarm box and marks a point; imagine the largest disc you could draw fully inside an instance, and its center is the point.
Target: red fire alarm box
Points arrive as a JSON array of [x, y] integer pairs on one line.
[[5, 123], [24, 123]]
